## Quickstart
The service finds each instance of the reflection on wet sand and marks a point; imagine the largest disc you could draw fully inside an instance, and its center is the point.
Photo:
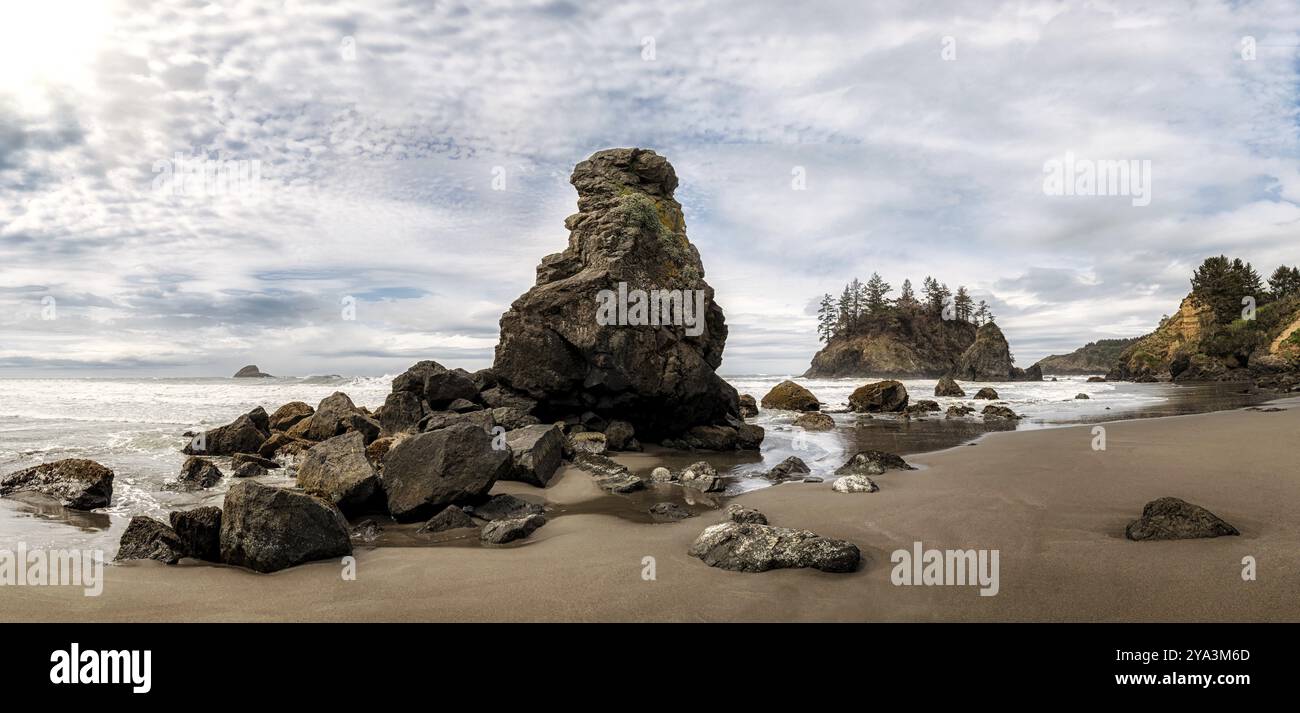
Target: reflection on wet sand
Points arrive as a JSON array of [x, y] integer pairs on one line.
[[44, 508]]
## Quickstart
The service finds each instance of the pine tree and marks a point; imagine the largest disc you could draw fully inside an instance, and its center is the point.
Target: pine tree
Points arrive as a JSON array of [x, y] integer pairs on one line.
[[827, 318], [930, 291], [1284, 282], [845, 309], [906, 297], [982, 314], [1222, 284], [875, 292], [963, 302]]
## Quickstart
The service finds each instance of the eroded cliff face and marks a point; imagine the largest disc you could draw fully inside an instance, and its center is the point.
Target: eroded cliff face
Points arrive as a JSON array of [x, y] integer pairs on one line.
[[915, 345], [628, 234], [1178, 336]]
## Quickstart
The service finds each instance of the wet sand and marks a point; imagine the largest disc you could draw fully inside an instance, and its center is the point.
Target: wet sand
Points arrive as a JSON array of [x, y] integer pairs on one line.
[[1053, 507]]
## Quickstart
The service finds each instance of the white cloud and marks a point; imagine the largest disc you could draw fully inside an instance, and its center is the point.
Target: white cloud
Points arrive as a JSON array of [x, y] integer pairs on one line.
[[377, 168]]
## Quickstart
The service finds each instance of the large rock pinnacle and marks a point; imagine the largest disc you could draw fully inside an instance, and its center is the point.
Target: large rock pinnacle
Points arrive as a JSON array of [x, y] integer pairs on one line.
[[577, 342]]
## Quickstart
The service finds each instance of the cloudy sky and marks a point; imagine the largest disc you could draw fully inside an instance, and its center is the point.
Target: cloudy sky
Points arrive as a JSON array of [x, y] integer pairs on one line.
[[373, 234]]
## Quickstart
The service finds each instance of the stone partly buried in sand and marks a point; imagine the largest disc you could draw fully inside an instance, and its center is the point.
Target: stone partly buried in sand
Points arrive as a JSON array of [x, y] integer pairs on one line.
[[791, 397], [1175, 519], [268, 529], [75, 483], [629, 235], [872, 463], [789, 469], [751, 547], [609, 474], [854, 484], [148, 539], [428, 471], [701, 476], [880, 397], [499, 532], [199, 531]]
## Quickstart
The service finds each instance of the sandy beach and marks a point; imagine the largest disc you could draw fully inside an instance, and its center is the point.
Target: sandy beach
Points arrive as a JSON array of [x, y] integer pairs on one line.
[[1053, 507]]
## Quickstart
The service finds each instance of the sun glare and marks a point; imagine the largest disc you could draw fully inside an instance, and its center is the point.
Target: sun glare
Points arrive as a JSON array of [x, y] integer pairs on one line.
[[49, 45]]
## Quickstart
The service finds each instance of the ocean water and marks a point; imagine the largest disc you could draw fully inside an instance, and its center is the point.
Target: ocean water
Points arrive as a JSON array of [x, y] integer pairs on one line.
[[135, 427]]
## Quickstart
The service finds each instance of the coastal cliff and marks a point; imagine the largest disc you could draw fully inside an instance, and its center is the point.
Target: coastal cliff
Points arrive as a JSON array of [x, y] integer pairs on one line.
[[1092, 358], [1230, 328]]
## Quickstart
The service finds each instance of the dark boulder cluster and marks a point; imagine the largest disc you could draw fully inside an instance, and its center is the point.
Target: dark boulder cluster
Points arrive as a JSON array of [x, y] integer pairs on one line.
[[260, 527]]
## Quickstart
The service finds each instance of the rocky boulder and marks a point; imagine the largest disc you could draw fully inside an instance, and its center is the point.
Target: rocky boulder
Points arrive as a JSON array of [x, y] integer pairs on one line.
[[582, 339], [701, 476], [739, 513], [331, 417], [749, 547], [880, 397], [268, 529], [198, 473], [289, 414], [854, 484], [749, 407], [620, 436], [993, 411], [669, 512], [148, 539], [199, 532], [338, 471], [988, 393], [948, 387], [1175, 519], [505, 507], [959, 410], [451, 518], [789, 469], [535, 453], [815, 421], [245, 434], [75, 483], [499, 532], [872, 463], [587, 442], [428, 471], [608, 474], [922, 406], [790, 396]]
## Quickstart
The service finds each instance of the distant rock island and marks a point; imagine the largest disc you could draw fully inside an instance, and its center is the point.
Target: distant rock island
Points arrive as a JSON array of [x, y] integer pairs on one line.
[[940, 334], [1092, 358], [1232, 327], [251, 372]]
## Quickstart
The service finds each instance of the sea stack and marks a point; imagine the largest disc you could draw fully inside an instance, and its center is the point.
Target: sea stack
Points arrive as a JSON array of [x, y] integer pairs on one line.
[[587, 339]]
